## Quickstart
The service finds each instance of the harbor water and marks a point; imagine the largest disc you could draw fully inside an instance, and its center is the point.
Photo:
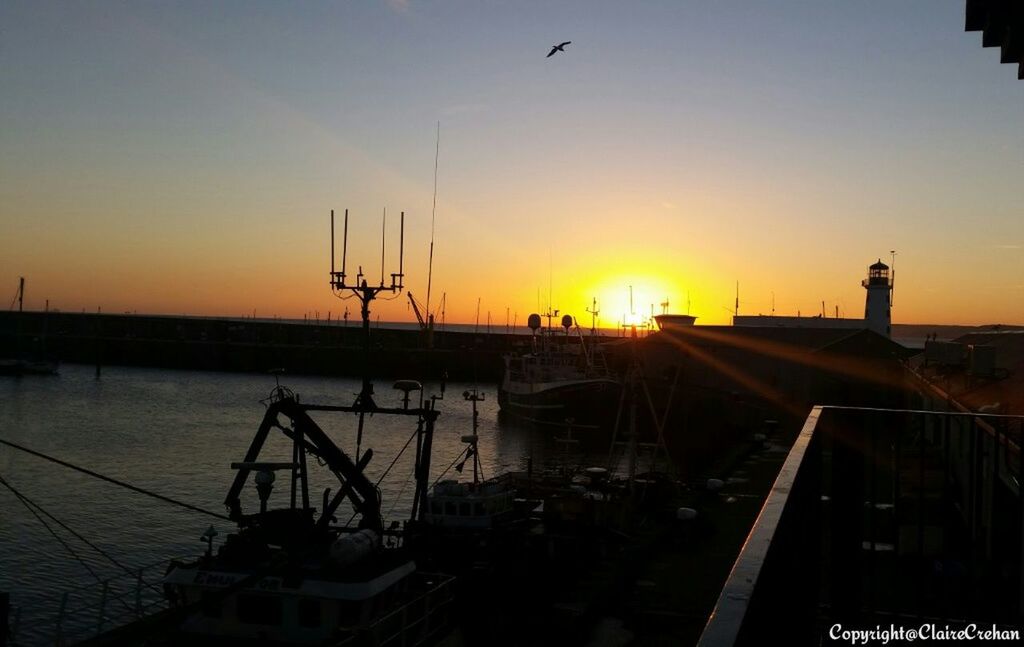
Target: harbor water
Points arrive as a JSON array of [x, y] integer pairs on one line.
[[176, 433]]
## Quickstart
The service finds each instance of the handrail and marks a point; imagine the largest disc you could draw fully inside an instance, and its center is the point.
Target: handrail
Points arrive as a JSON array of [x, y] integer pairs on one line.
[[725, 624], [723, 627]]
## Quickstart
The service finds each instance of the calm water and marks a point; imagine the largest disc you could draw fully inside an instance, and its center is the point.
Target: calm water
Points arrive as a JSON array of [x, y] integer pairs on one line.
[[176, 433]]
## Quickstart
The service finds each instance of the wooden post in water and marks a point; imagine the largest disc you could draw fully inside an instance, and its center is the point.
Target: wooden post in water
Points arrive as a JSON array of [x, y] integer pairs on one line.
[[5, 609], [138, 594], [59, 638], [99, 345], [103, 608]]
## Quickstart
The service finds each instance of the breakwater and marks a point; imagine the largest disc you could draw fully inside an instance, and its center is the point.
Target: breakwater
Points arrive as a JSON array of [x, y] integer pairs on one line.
[[253, 345]]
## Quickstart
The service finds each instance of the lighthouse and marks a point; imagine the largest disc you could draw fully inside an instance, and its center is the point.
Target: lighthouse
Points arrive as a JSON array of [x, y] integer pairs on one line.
[[878, 305]]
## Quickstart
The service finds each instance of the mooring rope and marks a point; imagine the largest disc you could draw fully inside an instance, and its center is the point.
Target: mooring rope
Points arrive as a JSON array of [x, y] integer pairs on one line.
[[29, 506], [74, 534], [114, 481]]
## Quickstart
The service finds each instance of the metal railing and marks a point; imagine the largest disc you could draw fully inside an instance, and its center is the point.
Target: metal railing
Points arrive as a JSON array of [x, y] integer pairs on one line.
[[882, 516], [88, 611]]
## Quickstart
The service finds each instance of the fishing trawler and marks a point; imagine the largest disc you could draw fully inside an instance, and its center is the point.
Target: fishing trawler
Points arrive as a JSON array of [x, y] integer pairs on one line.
[[561, 378], [292, 576], [459, 513], [295, 575]]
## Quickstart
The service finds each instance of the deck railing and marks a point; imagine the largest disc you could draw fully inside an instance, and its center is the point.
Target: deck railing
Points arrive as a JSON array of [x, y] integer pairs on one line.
[[882, 517], [88, 611]]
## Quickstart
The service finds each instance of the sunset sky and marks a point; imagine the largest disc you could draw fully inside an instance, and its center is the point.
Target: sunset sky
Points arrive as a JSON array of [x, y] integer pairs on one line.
[[183, 157]]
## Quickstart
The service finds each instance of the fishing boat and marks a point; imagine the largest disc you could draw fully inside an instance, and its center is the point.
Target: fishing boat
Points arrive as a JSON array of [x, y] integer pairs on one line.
[[294, 575], [463, 516], [29, 359], [298, 575], [561, 378]]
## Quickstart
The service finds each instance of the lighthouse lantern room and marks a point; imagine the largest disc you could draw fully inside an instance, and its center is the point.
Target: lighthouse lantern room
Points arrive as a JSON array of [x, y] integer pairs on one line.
[[878, 304]]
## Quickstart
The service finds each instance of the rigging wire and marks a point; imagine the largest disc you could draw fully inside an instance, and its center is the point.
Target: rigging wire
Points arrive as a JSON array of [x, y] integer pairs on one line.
[[441, 476], [382, 476], [111, 559], [69, 549], [114, 481], [398, 497], [397, 456]]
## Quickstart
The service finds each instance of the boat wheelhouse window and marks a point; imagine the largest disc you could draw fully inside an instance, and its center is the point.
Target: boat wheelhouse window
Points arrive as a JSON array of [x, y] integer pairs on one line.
[[464, 509], [309, 613], [478, 509], [449, 508], [259, 609], [435, 507]]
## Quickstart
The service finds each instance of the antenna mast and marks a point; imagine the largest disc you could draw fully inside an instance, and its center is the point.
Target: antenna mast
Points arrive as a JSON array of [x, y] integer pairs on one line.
[[593, 317], [433, 212], [892, 279], [365, 293]]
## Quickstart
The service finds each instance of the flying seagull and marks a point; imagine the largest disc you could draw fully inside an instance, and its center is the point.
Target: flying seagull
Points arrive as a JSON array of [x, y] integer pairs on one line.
[[557, 48]]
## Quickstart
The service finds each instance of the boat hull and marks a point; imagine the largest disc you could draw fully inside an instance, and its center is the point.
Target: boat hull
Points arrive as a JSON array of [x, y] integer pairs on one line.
[[19, 367], [588, 403]]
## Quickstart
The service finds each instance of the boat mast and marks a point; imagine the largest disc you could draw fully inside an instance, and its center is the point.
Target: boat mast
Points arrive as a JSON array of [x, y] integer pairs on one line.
[[365, 293], [593, 316]]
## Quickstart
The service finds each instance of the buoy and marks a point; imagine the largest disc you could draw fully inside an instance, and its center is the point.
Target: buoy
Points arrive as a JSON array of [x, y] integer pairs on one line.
[[349, 549]]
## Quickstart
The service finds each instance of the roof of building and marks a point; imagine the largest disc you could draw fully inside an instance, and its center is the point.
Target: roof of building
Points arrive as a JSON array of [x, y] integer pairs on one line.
[[1005, 388], [878, 266], [810, 339], [1002, 25]]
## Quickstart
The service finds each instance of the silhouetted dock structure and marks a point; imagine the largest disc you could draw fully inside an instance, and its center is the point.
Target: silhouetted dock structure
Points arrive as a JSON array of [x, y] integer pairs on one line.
[[254, 345]]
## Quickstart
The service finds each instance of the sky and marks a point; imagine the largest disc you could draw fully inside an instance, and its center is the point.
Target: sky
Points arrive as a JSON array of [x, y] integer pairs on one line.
[[183, 157]]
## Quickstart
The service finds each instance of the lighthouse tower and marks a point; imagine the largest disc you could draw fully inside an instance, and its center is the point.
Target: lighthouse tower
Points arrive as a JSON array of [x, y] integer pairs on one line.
[[878, 305]]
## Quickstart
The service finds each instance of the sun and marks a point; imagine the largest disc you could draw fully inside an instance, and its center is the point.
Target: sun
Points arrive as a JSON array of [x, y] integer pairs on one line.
[[629, 299]]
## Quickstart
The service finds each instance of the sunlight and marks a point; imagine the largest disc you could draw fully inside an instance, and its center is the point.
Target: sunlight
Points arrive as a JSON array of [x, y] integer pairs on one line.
[[649, 292]]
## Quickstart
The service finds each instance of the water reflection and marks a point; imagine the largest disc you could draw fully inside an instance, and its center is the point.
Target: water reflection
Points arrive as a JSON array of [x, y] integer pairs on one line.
[[176, 433]]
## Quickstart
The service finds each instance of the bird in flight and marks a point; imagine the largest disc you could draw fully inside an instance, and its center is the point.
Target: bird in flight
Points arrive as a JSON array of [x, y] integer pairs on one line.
[[557, 48]]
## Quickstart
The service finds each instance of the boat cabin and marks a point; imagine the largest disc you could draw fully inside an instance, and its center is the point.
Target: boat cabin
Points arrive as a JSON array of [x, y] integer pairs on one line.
[[463, 505]]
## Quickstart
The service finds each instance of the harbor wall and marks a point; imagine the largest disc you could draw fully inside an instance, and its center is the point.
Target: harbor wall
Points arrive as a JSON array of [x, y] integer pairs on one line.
[[728, 381], [252, 345]]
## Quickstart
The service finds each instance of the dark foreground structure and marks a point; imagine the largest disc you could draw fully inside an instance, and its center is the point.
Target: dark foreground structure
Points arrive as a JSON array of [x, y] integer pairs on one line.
[[860, 487], [1002, 25], [886, 520], [250, 345]]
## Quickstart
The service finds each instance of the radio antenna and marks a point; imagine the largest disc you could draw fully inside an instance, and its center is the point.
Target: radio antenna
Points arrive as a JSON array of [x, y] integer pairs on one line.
[[593, 316], [366, 293], [433, 212], [892, 279]]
